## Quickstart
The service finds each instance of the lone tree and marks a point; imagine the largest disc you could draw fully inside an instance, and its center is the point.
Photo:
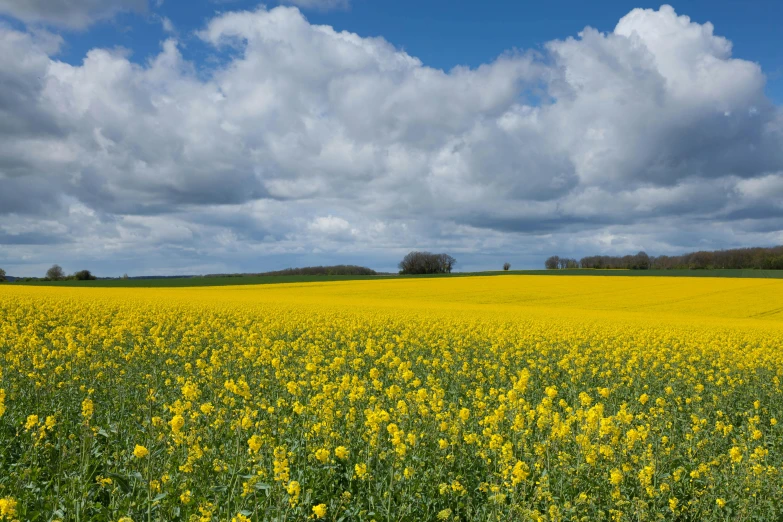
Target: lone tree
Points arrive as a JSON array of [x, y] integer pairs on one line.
[[426, 263], [55, 273], [506, 266], [552, 263], [2, 276]]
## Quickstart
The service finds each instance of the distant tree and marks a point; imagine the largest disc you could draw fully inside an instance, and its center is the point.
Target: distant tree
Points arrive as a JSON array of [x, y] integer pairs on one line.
[[55, 273], [552, 263], [426, 263], [124, 276], [700, 260], [446, 263], [641, 261], [2, 276], [84, 275], [506, 266]]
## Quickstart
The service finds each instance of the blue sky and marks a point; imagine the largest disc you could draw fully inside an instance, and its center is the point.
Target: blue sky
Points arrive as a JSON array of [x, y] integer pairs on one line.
[[164, 137]]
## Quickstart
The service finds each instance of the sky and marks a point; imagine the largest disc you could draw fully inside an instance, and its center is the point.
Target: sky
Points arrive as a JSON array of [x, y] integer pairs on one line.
[[160, 137]]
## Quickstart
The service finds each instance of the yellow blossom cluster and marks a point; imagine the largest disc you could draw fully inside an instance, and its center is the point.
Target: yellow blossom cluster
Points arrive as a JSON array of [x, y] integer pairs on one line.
[[463, 398]]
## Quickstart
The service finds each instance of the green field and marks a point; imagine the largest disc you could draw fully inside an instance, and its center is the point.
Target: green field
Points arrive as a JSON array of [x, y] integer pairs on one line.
[[265, 280], [724, 272], [197, 281]]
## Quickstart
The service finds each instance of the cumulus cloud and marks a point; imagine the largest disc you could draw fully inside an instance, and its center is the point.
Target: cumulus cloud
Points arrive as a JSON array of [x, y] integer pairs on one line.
[[72, 14], [306, 140]]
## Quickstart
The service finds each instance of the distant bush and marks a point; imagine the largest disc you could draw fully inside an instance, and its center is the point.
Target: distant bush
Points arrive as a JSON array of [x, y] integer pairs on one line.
[[426, 263], [82, 275], [506, 266]]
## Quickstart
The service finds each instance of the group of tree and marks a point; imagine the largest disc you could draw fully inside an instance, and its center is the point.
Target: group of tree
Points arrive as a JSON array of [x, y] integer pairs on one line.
[[56, 273], [426, 263], [332, 270], [638, 261], [557, 262], [2, 276], [335, 270], [765, 258]]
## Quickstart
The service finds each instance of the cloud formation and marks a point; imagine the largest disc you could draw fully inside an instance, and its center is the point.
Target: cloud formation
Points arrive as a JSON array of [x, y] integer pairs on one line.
[[71, 14], [311, 143]]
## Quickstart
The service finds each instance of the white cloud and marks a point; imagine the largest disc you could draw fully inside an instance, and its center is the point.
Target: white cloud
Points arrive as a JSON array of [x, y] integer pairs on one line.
[[72, 14], [167, 25], [320, 5], [331, 226], [307, 139]]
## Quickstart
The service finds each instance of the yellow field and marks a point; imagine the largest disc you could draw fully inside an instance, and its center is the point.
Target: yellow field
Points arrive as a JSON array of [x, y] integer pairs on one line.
[[482, 398]]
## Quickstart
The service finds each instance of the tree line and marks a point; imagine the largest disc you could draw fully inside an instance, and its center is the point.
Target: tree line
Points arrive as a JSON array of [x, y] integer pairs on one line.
[[56, 273], [335, 270], [763, 258]]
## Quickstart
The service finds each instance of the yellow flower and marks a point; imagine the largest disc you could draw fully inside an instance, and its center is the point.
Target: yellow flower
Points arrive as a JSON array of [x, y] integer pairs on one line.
[[322, 454], [444, 514], [7, 507], [360, 470], [519, 473], [720, 502], [88, 408], [673, 502], [185, 497], [140, 452], [31, 422], [240, 518], [320, 510], [254, 443], [736, 454], [293, 488], [616, 477], [341, 452], [177, 422]]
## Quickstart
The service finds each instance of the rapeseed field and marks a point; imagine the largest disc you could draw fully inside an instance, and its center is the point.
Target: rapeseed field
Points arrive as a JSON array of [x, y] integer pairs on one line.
[[470, 399]]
